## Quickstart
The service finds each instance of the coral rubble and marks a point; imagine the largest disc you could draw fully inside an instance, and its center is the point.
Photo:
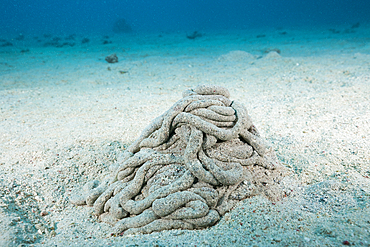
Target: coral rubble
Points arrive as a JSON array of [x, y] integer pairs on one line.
[[112, 58]]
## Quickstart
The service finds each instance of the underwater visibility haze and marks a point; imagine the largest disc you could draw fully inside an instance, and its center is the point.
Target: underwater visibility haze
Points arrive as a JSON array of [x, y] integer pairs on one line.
[[94, 16]]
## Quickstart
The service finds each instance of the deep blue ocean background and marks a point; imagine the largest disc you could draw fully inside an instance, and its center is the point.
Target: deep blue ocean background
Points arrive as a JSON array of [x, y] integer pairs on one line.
[[33, 17]]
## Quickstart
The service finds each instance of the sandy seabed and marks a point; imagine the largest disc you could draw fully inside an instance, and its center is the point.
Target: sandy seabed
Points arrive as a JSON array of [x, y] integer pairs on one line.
[[66, 114]]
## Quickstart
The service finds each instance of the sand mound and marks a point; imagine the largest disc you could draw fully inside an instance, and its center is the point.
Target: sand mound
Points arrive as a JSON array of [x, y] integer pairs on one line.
[[272, 55], [188, 168], [237, 56]]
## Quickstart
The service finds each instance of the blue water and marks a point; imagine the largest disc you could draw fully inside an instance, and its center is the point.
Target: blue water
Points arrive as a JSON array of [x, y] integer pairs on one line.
[[32, 17]]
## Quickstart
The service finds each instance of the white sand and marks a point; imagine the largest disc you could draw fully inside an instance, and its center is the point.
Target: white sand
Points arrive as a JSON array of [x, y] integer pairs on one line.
[[65, 116]]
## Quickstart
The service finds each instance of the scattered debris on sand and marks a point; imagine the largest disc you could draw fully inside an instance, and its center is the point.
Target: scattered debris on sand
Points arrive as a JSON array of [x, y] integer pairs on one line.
[[112, 58]]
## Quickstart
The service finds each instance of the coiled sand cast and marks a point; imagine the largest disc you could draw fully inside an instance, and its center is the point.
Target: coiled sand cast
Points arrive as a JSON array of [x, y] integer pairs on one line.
[[188, 168]]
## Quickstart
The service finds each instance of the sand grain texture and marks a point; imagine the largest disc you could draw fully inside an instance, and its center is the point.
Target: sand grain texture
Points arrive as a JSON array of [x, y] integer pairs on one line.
[[65, 120]]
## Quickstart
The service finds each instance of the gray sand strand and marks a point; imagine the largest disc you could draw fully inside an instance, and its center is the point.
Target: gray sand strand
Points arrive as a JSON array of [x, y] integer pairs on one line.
[[187, 169]]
